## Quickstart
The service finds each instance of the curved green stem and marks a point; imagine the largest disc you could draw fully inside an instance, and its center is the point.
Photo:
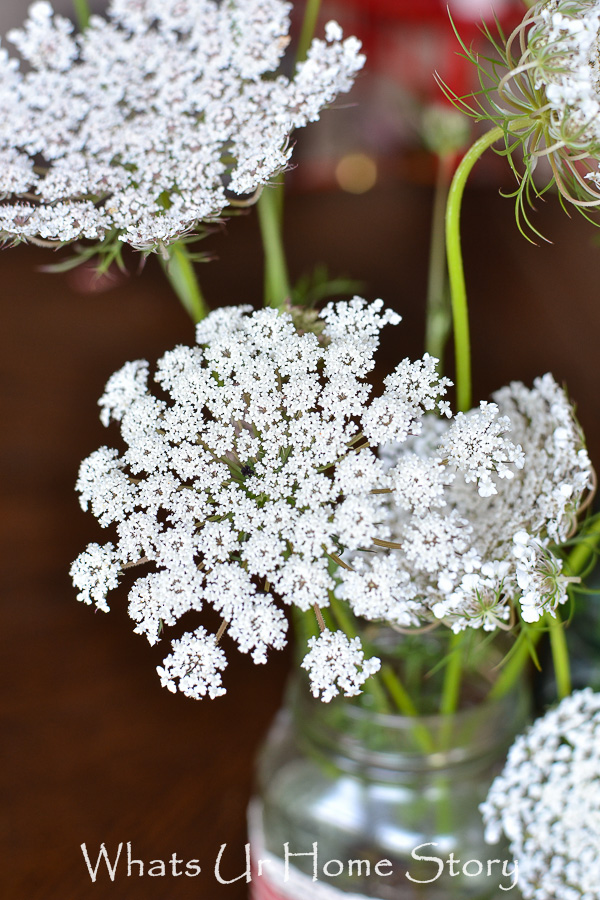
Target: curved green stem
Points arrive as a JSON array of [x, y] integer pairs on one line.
[[458, 293], [560, 655], [277, 285], [82, 13], [179, 269]]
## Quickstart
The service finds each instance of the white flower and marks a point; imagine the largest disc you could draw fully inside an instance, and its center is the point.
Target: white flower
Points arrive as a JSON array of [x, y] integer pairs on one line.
[[382, 591], [194, 666], [250, 485], [96, 571], [475, 444], [411, 390], [161, 598], [548, 102], [547, 802], [248, 479], [141, 126], [123, 388], [539, 576], [103, 485], [419, 483], [480, 501], [564, 43], [337, 664]]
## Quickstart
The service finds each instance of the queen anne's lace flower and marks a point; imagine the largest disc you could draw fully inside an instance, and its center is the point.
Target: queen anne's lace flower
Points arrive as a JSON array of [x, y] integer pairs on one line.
[[140, 126], [547, 802], [195, 665], [251, 479], [563, 45], [486, 539], [335, 664], [549, 99]]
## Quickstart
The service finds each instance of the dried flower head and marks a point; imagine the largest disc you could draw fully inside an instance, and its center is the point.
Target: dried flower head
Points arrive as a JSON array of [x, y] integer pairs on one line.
[[547, 802], [141, 127], [255, 474], [547, 99]]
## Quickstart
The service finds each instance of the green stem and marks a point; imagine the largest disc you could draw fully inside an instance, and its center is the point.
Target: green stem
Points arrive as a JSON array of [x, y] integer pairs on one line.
[[277, 286], [82, 13], [405, 705], [398, 692], [311, 14], [581, 554], [560, 655], [270, 204], [452, 677], [179, 270], [342, 616], [513, 669], [456, 274], [381, 704], [438, 317]]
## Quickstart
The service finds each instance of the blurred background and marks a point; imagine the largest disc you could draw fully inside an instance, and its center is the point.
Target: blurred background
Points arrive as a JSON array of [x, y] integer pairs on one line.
[[12, 12], [93, 749]]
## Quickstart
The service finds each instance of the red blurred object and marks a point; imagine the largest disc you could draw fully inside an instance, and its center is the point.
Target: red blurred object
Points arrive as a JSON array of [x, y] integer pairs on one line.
[[428, 10], [397, 103], [409, 40]]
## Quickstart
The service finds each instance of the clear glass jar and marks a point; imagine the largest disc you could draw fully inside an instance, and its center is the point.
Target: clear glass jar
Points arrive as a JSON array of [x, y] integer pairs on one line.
[[363, 795]]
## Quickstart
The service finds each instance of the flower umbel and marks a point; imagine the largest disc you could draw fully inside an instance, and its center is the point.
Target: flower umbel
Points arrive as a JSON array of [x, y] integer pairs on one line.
[[146, 124], [335, 662], [487, 540], [547, 802], [255, 476], [544, 94]]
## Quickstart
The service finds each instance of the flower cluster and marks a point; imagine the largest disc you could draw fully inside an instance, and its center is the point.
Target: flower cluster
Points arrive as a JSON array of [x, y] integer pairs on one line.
[[563, 43], [144, 125], [548, 100], [471, 546], [255, 476], [336, 664], [547, 802]]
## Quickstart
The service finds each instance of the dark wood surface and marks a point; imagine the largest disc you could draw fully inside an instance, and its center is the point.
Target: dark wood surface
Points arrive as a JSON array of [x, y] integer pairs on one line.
[[93, 749]]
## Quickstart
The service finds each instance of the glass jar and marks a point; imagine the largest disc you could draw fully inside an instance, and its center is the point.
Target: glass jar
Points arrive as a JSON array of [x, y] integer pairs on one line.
[[356, 804]]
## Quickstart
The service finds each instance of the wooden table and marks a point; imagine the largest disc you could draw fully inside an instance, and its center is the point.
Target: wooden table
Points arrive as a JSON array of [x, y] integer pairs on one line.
[[93, 749]]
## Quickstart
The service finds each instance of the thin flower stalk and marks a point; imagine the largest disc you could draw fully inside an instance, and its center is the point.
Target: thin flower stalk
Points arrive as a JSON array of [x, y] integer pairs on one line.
[[179, 270], [309, 27], [271, 202], [458, 292], [270, 214], [438, 315], [560, 655], [82, 12]]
